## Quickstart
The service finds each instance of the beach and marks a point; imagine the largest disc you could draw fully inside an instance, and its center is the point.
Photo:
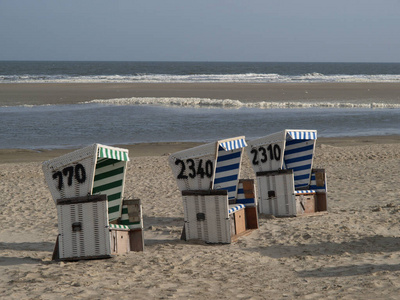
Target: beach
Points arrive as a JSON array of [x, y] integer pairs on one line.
[[351, 252]]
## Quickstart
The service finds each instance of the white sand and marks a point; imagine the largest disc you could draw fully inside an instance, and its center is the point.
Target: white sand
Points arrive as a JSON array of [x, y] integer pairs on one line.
[[353, 252]]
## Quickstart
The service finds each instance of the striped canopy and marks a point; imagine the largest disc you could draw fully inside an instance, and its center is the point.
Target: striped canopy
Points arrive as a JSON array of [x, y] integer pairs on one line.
[[113, 153], [233, 144], [302, 134]]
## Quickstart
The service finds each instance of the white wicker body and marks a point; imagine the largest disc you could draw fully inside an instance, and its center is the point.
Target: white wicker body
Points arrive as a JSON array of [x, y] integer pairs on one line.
[[83, 229], [61, 173], [276, 193], [207, 218]]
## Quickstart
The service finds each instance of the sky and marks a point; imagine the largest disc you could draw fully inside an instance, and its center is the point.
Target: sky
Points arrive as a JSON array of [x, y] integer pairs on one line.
[[206, 30]]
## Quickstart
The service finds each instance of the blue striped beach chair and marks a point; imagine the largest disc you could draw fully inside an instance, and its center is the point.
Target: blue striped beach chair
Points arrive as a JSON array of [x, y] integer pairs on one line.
[[208, 177], [94, 170], [287, 183]]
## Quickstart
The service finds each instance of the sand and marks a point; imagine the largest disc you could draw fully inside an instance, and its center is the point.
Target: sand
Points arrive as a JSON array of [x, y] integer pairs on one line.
[[352, 252], [70, 93]]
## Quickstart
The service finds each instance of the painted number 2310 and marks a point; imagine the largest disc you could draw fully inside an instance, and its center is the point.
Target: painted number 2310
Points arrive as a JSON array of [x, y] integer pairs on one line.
[[262, 155]]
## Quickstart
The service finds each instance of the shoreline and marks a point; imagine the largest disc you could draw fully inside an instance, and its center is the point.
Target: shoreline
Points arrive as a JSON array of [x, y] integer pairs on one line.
[[14, 94], [166, 148]]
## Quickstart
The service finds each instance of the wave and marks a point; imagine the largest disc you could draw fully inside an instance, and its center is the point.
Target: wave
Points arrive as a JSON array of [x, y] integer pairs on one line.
[[193, 78], [236, 104]]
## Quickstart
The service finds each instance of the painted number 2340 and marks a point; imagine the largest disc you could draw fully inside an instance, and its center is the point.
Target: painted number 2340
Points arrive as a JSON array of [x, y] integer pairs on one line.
[[202, 169]]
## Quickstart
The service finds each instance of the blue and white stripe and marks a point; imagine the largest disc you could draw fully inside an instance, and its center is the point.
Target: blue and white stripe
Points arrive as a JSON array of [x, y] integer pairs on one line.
[[227, 171], [233, 145], [298, 156], [235, 207], [302, 134], [298, 192]]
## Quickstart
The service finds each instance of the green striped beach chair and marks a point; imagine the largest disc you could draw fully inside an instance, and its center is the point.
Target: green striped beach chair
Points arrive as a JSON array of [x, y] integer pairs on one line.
[[93, 170]]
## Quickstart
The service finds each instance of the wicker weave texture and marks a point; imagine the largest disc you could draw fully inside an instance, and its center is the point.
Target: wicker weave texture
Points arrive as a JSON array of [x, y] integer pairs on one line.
[[83, 230], [276, 194], [71, 175], [206, 218]]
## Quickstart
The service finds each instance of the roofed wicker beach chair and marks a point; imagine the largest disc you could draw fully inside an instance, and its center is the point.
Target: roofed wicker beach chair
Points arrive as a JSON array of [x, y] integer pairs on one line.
[[94, 221], [216, 203], [287, 183]]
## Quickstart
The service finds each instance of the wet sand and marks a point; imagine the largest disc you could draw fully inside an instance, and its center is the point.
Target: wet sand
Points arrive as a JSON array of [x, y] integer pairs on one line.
[[70, 93], [162, 149]]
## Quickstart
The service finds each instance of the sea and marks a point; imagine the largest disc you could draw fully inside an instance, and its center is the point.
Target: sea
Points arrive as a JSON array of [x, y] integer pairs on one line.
[[151, 120]]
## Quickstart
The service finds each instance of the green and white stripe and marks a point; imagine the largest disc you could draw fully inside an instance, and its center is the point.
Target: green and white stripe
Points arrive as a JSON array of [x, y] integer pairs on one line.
[[109, 179], [113, 153], [118, 226]]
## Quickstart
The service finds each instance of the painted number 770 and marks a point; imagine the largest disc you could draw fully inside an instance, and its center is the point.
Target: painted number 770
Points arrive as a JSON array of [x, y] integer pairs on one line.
[[260, 154], [70, 173]]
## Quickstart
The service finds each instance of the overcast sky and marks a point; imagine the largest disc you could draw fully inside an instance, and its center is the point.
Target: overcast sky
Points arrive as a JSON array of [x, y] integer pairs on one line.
[[202, 30]]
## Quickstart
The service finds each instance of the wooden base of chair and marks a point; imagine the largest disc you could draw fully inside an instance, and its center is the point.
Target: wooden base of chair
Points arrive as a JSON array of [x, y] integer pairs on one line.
[[136, 240], [56, 255], [120, 241], [251, 217]]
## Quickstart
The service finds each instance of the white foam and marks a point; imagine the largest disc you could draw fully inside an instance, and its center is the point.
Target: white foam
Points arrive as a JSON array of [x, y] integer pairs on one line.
[[228, 103], [181, 102]]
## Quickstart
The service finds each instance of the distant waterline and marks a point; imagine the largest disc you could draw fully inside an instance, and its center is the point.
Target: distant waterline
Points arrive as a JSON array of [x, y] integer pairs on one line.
[[188, 72]]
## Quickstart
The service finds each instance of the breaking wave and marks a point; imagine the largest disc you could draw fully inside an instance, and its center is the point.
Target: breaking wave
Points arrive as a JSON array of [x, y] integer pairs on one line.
[[235, 104]]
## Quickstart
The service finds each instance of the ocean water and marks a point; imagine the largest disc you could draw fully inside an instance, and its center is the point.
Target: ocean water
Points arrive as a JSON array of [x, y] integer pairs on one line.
[[36, 71], [137, 120]]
